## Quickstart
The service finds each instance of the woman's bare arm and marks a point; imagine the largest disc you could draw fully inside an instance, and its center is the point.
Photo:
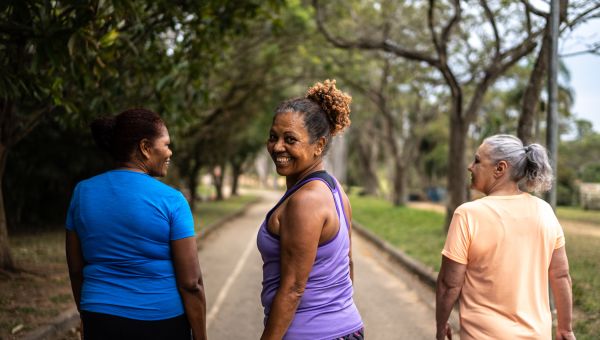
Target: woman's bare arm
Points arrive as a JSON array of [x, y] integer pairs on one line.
[[75, 263], [189, 283], [560, 282], [302, 223]]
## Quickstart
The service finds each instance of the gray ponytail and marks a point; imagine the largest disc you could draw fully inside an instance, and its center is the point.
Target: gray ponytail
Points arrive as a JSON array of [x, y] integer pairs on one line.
[[530, 165]]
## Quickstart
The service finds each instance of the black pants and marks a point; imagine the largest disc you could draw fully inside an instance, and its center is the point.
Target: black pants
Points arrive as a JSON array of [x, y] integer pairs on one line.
[[98, 326]]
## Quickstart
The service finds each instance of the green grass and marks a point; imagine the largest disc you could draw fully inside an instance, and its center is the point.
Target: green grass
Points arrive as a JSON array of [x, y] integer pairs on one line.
[[209, 212], [578, 214], [584, 262], [418, 233]]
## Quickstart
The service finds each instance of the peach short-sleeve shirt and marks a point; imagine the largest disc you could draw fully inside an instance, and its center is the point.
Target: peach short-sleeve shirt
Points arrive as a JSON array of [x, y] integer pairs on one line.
[[507, 244]]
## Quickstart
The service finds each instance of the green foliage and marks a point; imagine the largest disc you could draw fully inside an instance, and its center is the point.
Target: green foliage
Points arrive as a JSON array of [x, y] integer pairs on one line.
[[419, 233], [578, 162], [43, 170], [64, 63], [591, 173]]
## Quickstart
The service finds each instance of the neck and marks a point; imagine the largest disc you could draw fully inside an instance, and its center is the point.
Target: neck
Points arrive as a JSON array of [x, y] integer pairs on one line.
[[132, 165], [505, 189], [291, 180]]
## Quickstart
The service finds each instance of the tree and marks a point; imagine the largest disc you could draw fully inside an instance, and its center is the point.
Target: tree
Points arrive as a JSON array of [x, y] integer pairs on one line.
[[468, 75], [39, 59], [72, 60], [579, 12], [402, 112]]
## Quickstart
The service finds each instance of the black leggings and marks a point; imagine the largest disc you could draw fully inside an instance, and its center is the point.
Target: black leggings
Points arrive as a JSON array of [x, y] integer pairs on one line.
[[98, 326]]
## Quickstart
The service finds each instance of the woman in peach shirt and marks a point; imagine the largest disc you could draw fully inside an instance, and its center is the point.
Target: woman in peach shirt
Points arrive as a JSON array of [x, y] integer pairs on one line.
[[503, 249]]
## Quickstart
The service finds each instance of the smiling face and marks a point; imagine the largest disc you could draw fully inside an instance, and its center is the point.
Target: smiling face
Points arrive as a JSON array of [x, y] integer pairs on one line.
[[290, 148], [482, 170], [158, 154]]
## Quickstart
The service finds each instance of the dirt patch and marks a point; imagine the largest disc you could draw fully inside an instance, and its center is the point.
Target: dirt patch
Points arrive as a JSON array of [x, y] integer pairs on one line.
[[581, 228], [34, 297], [431, 206]]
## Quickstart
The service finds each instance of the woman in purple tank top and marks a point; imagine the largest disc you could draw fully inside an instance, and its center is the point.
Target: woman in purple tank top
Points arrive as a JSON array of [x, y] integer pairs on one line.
[[305, 239]]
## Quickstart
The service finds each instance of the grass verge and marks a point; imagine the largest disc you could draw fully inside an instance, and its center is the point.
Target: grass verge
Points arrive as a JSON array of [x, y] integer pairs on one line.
[[578, 214], [419, 233], [584, 255], [210, 212], [31, 299]]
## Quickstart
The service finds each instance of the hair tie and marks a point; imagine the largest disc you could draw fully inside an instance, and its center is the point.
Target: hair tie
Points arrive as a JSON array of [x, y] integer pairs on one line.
[[527, 148]]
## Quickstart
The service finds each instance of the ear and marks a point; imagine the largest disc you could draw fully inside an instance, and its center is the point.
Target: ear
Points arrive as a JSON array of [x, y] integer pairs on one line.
[[145, 147], [501, 169], [320, 146]]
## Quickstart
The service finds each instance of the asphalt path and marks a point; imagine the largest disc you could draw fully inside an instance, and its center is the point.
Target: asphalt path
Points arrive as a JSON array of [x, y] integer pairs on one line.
[[393, 303]]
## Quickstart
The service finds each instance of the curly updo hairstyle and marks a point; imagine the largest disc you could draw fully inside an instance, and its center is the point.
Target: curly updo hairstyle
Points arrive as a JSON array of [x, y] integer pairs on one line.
[[530, 165], [120, 135], [326, 111]]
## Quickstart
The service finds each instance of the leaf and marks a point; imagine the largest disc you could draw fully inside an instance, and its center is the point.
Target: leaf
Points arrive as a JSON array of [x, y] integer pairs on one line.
[[16, 329], [109, 38], [71, 45]]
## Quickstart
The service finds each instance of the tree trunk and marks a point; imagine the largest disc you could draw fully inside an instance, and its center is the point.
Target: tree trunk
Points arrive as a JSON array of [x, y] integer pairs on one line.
[[366, 155], [457, 186], [6, 261], [218, 173], [193, 185], [399, 195], [531, 97], [236, 169]]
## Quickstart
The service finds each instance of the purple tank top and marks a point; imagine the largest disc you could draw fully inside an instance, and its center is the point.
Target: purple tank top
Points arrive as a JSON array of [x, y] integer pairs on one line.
[[326, 309]]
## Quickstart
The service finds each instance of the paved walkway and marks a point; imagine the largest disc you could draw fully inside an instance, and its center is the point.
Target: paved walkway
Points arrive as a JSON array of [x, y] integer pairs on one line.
[[393, 303]]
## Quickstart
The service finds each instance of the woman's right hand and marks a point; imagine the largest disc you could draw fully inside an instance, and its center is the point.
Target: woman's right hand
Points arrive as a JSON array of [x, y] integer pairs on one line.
[[565, 335], [444, 332]]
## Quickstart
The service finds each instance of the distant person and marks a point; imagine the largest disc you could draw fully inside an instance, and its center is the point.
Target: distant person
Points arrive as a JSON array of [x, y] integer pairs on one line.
[[130, 241], [503, 249], [305, 239]]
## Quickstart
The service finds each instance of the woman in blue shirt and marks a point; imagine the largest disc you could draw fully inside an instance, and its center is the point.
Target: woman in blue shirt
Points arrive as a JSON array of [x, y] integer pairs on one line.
[[130, 243]]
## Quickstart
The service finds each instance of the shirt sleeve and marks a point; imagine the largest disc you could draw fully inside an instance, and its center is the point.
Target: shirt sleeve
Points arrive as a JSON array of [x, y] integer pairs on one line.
[[73, 209], [182, 221], [560, 235], [458, 239]]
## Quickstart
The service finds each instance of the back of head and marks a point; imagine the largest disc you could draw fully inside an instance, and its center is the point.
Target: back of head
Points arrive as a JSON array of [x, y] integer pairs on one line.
[[529, 164], [120, 135], [326, 110]]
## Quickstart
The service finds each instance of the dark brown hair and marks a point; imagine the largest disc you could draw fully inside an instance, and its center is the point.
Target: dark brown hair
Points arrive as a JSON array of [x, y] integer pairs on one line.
[[326, 110], [120, 135]]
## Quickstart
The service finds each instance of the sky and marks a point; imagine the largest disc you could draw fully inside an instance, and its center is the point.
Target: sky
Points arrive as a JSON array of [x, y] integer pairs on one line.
[[585, 71]]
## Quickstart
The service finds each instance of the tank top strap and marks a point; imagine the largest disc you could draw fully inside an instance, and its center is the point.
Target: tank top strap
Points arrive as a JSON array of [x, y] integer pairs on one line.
[[321, 175]]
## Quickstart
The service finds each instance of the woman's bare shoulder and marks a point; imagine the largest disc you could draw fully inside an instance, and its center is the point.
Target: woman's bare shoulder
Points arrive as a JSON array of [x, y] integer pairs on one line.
[[313, 195]]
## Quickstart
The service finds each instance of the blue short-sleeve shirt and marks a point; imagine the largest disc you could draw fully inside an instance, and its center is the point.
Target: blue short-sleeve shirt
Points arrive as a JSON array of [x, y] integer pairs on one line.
[[125, 221]]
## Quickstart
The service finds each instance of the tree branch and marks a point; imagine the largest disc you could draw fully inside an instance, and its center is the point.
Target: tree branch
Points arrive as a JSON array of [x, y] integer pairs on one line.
[[453, 21], [581, 17], [528, 19], [529, 7], [29, 124], [434, 38], [593, 49], [367, 44], [495, 69], [490, 17]]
